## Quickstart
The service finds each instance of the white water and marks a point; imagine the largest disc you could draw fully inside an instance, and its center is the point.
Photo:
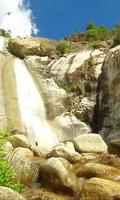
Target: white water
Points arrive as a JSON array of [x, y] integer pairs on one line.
[[32, 107]]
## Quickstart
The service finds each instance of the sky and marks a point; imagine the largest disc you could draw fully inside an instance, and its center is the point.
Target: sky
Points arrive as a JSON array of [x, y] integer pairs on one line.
[[56, 18]]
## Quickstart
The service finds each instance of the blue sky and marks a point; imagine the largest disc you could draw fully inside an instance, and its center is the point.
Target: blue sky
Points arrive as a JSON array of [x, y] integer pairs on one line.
[[58, 18]]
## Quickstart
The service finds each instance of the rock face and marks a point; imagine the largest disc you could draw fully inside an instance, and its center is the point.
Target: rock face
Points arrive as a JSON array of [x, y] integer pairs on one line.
[[21, 47], [107, 109], [8, 194], [89, 143], [100, 189]]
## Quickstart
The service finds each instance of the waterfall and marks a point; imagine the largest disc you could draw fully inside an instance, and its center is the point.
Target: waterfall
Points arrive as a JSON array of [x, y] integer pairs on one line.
[[32, 107]]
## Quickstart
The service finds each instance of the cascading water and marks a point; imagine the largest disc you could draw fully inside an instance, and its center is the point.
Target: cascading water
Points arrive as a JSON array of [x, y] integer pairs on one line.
[[32, 107]]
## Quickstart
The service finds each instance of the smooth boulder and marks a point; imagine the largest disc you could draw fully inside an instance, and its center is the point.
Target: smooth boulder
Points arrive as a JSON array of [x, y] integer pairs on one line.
[[100, 189], [89, 143]]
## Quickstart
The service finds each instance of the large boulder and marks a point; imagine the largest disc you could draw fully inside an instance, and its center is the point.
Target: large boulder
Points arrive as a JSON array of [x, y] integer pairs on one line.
[[55, 173], [107, 118], [9, 194], [90, 170], [22, 47], [92, 143], [100, 189], [66, 153], [25, 170]]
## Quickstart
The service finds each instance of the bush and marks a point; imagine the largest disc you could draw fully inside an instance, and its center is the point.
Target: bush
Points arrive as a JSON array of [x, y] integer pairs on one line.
[[7, 175], [97, 33], [63, 47], [90, 26], [116, 33]]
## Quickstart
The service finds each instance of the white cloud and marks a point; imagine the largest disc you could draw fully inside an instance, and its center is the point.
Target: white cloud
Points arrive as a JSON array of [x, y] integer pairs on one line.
[[16, 16]]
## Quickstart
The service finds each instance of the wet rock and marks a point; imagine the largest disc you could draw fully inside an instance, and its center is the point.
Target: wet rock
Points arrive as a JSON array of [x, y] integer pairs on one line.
[[89, 143], [100, 189], [55, 173]]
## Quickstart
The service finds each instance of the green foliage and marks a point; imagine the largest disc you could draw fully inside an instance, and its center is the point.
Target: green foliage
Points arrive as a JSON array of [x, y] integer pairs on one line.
[[63, 47], [116, 33], [90, 26], [97, 33], [7, 175]]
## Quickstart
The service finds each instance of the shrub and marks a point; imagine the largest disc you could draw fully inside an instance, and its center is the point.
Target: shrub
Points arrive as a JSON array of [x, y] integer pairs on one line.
[[90, 26], [63, 47], [116, 33], [97, 33], [7, 175]]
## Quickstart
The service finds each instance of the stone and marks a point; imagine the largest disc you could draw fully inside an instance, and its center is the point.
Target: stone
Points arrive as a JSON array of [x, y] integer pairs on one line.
[[55, 173], [114, 147], [22, 47], [90, 170], [43, 194], [106, 117], [9, 194], [8, 147], [92, 143], [26, 172], [67, 126], [66, 153], [20, 141], [100, 189]]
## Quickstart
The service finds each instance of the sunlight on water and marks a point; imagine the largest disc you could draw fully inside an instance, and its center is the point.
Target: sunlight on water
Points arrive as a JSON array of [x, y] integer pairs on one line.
[[32, 107]]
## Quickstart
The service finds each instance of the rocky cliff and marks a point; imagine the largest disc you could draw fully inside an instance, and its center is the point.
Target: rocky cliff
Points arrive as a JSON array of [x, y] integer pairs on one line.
[[107, 118], [51, 100]]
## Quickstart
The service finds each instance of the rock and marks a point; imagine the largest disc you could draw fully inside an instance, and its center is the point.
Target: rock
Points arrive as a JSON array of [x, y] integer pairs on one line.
[[20, 141], [106, 118], [25, 170], [9, 194], [89, 143], [66, 153], [7, 147], [100, 189], [55, 174], [90, 170], [22, 47], [42, 194], [114, 147], [54, 96], [83, 108], [67, 126]]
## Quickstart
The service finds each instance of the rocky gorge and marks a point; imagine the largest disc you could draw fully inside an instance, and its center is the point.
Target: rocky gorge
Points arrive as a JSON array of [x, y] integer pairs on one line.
[[65, 114]]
